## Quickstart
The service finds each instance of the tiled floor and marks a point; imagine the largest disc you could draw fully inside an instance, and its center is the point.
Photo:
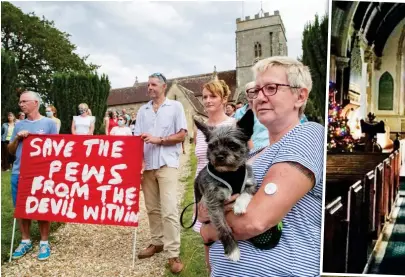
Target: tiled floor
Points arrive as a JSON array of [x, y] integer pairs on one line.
[[390, 255]]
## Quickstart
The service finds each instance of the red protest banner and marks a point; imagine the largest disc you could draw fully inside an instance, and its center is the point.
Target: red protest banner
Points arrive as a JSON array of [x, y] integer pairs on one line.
[[82, 179]]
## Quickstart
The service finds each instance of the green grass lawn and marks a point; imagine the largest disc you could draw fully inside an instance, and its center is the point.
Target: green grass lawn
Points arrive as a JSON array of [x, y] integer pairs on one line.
[[7, 212], [192, 247]]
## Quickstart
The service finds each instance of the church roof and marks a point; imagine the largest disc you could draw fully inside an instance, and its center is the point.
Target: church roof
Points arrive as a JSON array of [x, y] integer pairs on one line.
[[194, 83], [198, 107]]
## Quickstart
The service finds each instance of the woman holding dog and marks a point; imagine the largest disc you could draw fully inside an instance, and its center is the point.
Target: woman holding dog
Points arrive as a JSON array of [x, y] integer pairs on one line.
[[289, 174], [215, 96]]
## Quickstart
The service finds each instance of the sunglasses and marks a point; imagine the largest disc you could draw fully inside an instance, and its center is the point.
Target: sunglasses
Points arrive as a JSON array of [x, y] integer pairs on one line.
[[159, 75]]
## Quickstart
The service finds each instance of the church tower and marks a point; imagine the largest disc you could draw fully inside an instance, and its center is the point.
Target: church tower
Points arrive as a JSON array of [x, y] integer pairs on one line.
[[257, 38]]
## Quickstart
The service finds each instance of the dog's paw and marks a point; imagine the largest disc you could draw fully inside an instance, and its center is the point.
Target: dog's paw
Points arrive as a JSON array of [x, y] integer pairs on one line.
[[234, 255], [241, 203]]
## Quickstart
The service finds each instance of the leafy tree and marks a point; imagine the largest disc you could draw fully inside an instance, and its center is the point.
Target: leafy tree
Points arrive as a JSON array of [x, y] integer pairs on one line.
[[70, 89], [315, 54], [9, 74], [40, 49]]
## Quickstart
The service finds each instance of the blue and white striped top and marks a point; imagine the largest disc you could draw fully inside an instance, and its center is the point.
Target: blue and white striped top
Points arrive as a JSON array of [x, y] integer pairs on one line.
[[298, 251]]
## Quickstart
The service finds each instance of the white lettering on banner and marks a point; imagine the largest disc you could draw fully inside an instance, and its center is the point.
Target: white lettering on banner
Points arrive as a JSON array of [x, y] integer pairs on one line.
[[55, 206], [129, 194], [103, 190], [32, 143], [103, 148], [89, 143], [43, 206], [117, 177], [61, 190], [111, 211], [118, 195], [51, 147], [29, 209], [116, 149], [86, 173], [80, 190], [71, 170], [36, 184], [33, 205], [90, 211], [48, 186], [55, 166], [67, 152]]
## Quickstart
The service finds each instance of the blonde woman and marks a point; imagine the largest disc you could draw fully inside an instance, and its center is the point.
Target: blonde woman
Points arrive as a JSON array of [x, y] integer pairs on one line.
[[83, 124], [289, 176], [215, 96], [51, 113]]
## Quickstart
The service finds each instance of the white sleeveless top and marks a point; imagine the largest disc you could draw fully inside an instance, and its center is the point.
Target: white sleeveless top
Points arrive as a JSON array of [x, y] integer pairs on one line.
[[82, 124]]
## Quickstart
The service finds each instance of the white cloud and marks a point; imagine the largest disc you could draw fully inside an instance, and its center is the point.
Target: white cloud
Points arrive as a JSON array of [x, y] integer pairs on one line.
[[138, 38], [146, 14]]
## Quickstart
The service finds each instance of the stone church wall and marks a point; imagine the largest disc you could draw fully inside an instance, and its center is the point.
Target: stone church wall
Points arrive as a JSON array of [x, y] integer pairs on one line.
[[395, 66]]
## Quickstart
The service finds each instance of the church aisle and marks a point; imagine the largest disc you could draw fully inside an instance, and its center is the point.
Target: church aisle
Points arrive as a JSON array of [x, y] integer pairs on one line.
[[390, 254]]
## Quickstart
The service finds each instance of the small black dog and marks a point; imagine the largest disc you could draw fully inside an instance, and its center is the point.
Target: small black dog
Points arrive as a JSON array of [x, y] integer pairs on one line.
[[226, 174]]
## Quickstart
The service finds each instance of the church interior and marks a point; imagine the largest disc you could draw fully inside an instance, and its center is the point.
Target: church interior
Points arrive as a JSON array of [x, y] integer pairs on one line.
[[365, 171]]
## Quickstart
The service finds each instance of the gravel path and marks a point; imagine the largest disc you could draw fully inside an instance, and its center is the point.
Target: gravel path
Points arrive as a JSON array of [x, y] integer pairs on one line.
[[95, 250]]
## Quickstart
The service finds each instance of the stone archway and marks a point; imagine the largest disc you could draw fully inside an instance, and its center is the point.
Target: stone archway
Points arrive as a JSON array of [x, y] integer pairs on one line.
[[346, 30]]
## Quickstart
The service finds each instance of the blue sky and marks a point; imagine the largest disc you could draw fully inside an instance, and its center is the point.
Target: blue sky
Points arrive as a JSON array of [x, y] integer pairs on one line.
[[179, 38]]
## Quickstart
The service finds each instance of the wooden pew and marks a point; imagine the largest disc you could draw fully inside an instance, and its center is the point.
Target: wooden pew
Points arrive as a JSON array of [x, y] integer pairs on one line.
[[379, 215], [360, 200], [335, 237], [357, 241], [369, 207]]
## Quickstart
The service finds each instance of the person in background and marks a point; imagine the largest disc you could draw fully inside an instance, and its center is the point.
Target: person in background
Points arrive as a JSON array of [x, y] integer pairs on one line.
[[112, 122], [83, 124], [21, 116], [260, 137], [105, 120], [34, 124], [239, 105], [132, 122], [6, 131], [127, 117], [51, 113], [230, 110], [121, 129], [215, 95]]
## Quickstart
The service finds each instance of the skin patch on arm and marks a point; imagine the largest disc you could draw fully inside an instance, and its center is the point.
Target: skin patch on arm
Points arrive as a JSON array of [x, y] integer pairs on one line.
[[270, 188]]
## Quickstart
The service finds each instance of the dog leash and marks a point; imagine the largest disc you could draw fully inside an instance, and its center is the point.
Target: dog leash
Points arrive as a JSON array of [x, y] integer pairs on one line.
[[195, 217], [219, 179]]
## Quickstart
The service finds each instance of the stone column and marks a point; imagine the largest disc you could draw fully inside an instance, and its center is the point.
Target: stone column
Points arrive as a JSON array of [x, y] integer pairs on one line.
[[341, 64], [368, 58]]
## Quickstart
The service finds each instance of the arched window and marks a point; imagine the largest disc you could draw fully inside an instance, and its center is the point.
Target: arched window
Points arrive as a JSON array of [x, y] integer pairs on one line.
[[258, 50], [386, 92]]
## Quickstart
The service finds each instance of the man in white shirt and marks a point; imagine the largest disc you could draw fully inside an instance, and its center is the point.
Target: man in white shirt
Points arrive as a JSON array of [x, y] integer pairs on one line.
[[162, 125]]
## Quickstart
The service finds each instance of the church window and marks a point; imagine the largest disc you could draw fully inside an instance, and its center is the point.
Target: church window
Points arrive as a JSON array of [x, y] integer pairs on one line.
[[386, 92], [271, 43], [258, 50]]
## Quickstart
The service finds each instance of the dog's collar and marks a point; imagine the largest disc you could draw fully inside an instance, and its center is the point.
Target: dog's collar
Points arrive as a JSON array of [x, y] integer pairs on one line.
[[219, 179]]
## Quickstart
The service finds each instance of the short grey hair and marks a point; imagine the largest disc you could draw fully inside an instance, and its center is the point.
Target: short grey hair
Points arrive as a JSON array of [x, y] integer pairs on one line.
[[250, 85], [298, 75], [33, 94]]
